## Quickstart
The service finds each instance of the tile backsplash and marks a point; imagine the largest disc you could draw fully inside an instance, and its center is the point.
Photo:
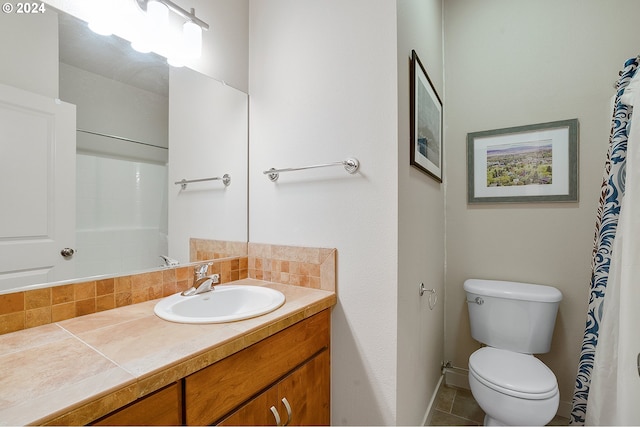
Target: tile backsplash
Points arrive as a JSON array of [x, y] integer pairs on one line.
[[203, 249], [292, 265], [27, 309]]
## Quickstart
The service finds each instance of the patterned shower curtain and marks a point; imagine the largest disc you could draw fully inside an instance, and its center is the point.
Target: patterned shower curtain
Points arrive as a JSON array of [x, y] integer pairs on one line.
[[612, 190]]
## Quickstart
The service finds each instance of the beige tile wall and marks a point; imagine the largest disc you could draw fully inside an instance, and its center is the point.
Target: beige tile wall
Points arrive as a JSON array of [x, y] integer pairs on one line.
[[293, 265], [203, 249]]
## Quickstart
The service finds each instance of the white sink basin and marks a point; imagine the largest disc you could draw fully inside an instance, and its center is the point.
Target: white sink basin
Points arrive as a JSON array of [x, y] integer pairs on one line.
[[225, 303]]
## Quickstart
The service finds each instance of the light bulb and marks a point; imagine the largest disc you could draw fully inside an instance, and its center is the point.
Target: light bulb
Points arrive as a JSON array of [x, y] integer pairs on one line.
[[158, 13], [157, 25], [192, 39], [101, 21]]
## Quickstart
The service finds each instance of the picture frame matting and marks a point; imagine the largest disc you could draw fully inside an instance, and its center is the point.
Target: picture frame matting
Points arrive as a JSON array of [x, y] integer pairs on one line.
[[532, 163]]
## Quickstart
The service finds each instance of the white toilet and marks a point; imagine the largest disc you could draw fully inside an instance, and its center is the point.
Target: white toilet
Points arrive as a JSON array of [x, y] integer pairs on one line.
[[515, 321]]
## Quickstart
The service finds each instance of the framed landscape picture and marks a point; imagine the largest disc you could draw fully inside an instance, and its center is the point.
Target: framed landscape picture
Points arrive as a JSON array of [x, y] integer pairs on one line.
[[533, 163], [426, 122]]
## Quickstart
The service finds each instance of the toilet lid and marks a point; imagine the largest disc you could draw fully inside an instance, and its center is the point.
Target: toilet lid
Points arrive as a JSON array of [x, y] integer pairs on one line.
[[516, 374]]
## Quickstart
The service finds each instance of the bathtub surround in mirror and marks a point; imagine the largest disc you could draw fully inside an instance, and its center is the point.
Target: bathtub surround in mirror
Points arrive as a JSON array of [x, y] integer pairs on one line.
[[122, 141], [121, 216]]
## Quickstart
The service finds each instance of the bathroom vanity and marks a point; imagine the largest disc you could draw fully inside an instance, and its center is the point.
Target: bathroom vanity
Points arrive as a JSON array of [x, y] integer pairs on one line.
[[291, 366], [128, 367]]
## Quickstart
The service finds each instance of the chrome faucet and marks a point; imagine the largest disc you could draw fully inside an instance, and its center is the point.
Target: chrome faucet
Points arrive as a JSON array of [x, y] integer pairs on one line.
[[202, 283], [169, 262]]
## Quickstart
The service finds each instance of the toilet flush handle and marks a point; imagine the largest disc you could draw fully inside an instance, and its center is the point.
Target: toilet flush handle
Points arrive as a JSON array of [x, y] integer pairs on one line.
[[478, 301]]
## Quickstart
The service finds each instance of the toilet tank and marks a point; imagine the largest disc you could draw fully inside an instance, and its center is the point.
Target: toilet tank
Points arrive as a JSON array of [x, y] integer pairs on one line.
[[512, 316]]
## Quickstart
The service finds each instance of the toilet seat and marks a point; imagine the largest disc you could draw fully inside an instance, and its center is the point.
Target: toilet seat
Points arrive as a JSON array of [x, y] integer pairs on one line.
[[515, 374]]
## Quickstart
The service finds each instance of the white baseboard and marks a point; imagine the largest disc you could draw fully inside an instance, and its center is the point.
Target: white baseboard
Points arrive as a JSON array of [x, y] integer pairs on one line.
[[429, 414]]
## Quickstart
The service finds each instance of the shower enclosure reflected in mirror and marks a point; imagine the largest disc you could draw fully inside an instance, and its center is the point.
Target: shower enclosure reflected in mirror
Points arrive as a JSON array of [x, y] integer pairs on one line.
[[139, 127]]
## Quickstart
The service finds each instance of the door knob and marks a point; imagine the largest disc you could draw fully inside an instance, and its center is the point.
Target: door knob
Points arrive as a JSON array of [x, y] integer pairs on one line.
[[67, 252]]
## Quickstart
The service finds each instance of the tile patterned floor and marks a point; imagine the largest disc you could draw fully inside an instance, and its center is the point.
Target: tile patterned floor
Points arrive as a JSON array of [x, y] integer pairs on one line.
[[456, 407]]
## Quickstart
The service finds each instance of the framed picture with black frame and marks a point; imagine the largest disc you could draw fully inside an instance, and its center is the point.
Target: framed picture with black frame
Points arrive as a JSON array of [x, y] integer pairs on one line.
[[426, 122], [524, 164]]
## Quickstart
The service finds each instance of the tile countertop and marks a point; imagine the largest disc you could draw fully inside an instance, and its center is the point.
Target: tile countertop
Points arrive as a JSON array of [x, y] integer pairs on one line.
[[78, 370]]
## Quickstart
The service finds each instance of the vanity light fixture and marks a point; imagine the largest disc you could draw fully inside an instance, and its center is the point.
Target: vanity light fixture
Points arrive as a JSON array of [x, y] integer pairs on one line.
[[150, 27], [181, 46]]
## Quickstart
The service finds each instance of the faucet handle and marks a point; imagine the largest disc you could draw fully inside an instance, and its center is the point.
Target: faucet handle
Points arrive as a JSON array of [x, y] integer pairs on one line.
[[202, 269]]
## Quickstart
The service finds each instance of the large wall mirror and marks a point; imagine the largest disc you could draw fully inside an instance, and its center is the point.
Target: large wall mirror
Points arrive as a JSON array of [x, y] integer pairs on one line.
[[95, 135]]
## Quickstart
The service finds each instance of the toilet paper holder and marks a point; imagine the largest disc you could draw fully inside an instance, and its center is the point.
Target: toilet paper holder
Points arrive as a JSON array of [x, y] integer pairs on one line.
[[433, 296]]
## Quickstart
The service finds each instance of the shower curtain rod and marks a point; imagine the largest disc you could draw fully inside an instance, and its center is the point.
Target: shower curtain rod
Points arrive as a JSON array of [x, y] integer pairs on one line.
[[121, 138]]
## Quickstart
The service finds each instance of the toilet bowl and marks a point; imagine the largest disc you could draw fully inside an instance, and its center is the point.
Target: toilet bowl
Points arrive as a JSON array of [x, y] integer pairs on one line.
[[512, 388], [515, 321]]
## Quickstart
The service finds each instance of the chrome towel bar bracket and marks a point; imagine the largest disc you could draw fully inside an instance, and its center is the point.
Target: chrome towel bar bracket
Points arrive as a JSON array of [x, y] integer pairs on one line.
[[226, 180], [351, 165]]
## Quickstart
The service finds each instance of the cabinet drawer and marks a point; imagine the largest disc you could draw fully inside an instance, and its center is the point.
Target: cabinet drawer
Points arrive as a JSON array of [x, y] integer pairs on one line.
[[164, 407], [216, 390]]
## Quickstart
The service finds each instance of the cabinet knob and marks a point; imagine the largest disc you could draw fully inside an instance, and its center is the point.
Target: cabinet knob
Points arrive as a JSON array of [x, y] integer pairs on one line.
[[288, 407], [276, 415]]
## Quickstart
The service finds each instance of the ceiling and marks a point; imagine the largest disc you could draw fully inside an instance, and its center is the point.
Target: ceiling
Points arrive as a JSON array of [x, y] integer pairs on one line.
[[110, 57]]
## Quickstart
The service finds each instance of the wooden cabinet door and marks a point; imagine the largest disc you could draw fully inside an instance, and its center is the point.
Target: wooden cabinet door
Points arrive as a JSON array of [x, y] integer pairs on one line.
[[215, 391], [256, 412], [307, 390]]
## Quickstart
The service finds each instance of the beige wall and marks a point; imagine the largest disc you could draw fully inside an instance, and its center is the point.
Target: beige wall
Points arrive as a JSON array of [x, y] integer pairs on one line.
[[329, 79], [420, 225], [511, 63], [323, 83]]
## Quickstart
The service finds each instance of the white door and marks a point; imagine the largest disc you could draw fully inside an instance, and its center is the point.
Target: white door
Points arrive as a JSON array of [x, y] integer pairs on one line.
[[37, 188]]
